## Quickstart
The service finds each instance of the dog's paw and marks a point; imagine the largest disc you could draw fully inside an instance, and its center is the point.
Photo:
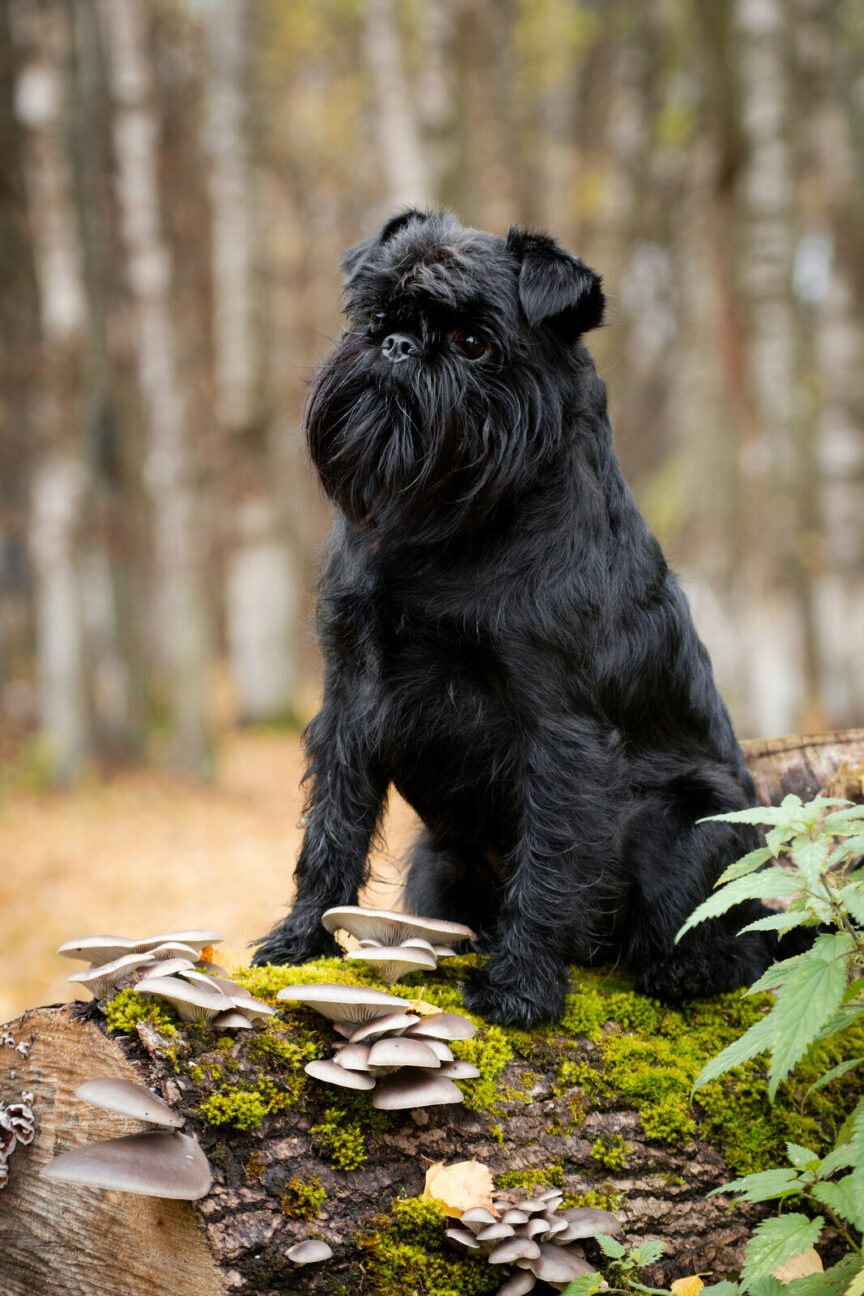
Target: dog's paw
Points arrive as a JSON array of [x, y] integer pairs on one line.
[[294, 941], [512, 999]]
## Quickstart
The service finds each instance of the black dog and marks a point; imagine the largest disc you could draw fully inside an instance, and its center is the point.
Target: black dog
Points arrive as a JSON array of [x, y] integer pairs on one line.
[[503, 639]]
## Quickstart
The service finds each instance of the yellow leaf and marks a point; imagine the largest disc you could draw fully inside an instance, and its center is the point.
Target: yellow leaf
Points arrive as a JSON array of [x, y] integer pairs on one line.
[[459, 1187], [800, 1266], [687, 1286], [422, 1008], [208, 954]]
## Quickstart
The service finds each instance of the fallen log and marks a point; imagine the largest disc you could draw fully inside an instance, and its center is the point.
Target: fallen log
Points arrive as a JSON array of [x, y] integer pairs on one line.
[[599, 1106]]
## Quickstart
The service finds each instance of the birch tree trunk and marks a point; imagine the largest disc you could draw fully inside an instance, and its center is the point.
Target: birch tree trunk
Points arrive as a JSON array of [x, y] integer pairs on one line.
[[400, 147], [42, 35], [179, 621]]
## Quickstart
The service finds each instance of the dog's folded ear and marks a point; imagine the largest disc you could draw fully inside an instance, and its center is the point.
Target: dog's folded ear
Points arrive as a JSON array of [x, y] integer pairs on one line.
[[555, 287], [356, 256]]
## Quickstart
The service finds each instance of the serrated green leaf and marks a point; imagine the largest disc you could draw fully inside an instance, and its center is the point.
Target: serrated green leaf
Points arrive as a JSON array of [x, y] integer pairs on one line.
[[610, 1246], [810, 855], [758, 1039], [835, 1073], [782, 921], [801, 1156], [846, 1016], [807, 999], [776, 838], [752, 815], [856, 1286], [775, 1241], [762, 1186], [722, 1289], [746, 864], [775, 974], [839, 1158], [839, 817], [851, 897], [584, 1285], [833, 1282], [759, 886], [647, 1253], [842, 1198], [767, 1285]]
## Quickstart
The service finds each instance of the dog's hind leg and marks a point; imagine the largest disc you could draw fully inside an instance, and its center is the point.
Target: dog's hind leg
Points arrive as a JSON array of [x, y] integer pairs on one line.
[[455, 884]]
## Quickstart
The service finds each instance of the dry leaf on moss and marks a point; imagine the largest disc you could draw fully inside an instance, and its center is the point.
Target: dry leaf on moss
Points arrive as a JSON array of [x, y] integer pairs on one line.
[[687, 1286], [459, 1187], [422, 1008], [800, 1266]]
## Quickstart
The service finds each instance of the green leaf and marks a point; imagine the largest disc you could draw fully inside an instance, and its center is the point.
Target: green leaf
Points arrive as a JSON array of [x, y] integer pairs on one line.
[[833, 1282], [722, 1289], [584, 1285], [647, 1253], [835, 1073], [782, 921], [610, 1246], [840, 817], [765, 883], [746, 864], [807, 999], [847, 1015], [851, 897], [810, 856], [758, 1039], [839, 1158], [763, 1186], [777, 1240], [775, 974], [752, 815], [768, 1285], [856, 1286], [842, 1198], [801, 1156], [776, 838]]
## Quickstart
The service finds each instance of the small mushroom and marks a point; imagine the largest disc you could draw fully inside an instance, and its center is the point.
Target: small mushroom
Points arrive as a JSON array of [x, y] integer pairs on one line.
[[191, 1002], [102, 977], [459, 1070], [332, 1073], [535, 1227], [113, 1094], [391, 928], [344, 1003], [164, 967], [477, 1218], [312, 1251], [496, 1232], [414, 1088], [514, 1216], [354, 1057], [156, 1163], [462, 1238], [445, 1026], [556, 1264], [258, 1013], [231, 1019], [392, 1024], [439, 1048], [518, 1284], [590, 1220], [197, 939], [97, 950], [394, 962], [201, 978], [388, 1054], [18, 1118], [512, 1249]]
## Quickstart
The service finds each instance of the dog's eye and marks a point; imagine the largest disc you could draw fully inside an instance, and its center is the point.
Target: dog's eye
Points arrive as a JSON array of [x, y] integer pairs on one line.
[[377, 320], [470, 344]]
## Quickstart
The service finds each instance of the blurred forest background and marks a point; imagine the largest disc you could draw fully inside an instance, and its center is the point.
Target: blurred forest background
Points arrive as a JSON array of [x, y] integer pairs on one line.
[[178, 180]]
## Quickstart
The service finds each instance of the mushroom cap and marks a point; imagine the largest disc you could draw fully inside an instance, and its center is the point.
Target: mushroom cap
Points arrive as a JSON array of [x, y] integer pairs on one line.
[[395, 961], [171, 949], [392, 1024], [445, 1026], [589, 1220], [231, 1019], [344, 1003], [410, 1087], [201, 978], [258, 1013], [439, 1048], [100, 978], [193, 1003], [495, 1232], [556, 1264], [477, 1218], [332, 1073], [164, 967], [459, 1070], [391, 928], [354, 1057], [155, 1163], [113, 1094], [312, 1251], [400, 1051], [511, 1249], [514, 1216], [536, 1226], [97, 949], [518, 1284], [462, 1238], [197, 939]]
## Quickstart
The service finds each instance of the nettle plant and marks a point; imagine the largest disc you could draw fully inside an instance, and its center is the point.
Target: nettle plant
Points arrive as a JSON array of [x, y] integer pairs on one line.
[[818, 994]]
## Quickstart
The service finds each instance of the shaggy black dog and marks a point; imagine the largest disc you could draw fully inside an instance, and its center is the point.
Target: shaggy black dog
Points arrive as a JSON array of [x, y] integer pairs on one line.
[[504, 641]]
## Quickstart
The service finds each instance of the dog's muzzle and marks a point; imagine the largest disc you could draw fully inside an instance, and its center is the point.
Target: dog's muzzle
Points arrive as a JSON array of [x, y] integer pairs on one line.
[[399, 346]]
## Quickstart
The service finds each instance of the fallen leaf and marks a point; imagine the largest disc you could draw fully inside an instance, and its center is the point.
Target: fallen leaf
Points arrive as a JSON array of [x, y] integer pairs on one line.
[[208, 954], [800, 1266], [459, 1187], [423, 1009], [687, 1286]]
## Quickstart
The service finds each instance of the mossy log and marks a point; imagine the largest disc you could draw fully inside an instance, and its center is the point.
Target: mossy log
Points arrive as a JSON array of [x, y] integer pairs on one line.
[[600, 1105]]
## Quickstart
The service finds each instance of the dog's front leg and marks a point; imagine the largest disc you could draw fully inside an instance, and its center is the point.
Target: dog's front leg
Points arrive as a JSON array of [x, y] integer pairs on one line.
[[347, 789]]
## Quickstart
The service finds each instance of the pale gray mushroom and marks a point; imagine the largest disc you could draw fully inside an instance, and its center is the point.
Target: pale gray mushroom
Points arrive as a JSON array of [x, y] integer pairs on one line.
[[511, 1249], [535, 1227], [556, 1264], [492, 1233], [97, 950], [444, 1025], [197, 939], [192, 1003], [164, 967], [414, 1088], [171, 949], [477, 1218], [392, 1024], [231, 1019], [439, 1048], [459, 1070], [354, 1057], [155, 1163], [201, 978], [395, 961], [391, 928], [590, 1220], [331, 1072], [518, 1284], [102, 977], [344, 1003], [111, 1093], [258, 1013], [389, 1054], [312, 1251], [514, 1216], [462, 1238]]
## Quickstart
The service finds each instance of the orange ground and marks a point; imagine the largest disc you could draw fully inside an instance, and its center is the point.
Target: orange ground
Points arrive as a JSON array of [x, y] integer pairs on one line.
[[148, 852]]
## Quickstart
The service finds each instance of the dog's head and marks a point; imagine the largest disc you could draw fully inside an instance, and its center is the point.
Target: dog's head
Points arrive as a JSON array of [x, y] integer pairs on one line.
[[457, 379]]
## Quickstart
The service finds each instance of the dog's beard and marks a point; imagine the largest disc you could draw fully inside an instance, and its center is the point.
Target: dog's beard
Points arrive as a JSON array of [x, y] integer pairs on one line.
[[421, 451]]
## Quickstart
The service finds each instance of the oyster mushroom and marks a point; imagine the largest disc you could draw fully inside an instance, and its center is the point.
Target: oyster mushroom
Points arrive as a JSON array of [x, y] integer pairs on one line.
[[156, 1163], [589, 1220], [391, 928], [459, 1070], [511, 1249], [443, 1026], [332, 1073], [518, 1284], [395, 961], [344, 1003], [556, 1264], [410, 1087], [102, 977], [231, 1019], [392, 1024], [387, 1055], [113, 1094], [312, 1251], [462, 1238], [191, 1002]]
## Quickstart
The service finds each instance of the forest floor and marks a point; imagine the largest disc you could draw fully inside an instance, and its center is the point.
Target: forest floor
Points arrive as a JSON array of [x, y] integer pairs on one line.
[[146, 852]]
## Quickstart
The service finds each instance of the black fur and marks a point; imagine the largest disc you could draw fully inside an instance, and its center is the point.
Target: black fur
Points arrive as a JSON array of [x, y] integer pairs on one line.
[[504, 641]]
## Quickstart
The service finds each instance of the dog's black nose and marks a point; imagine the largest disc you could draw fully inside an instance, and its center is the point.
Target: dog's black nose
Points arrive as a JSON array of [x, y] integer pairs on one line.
[[399, 346]]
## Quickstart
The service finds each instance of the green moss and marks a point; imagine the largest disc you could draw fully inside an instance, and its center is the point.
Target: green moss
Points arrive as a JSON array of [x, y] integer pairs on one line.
[[601, 1200], [611, 1153], [405, 1253], [303, 1200], [343, 1141], [548, 1176], [127, 1009], [490, 1052], [238, 1109]]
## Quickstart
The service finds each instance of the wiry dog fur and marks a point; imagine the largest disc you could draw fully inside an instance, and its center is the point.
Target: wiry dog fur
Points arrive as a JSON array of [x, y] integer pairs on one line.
[[503, 639]]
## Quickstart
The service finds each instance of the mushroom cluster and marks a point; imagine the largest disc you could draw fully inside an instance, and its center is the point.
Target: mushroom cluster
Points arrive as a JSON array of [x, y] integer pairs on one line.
[[532, 1238], [168, 966], [396, 943], [159, 1162], [383, 1043], [17, 1125]]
